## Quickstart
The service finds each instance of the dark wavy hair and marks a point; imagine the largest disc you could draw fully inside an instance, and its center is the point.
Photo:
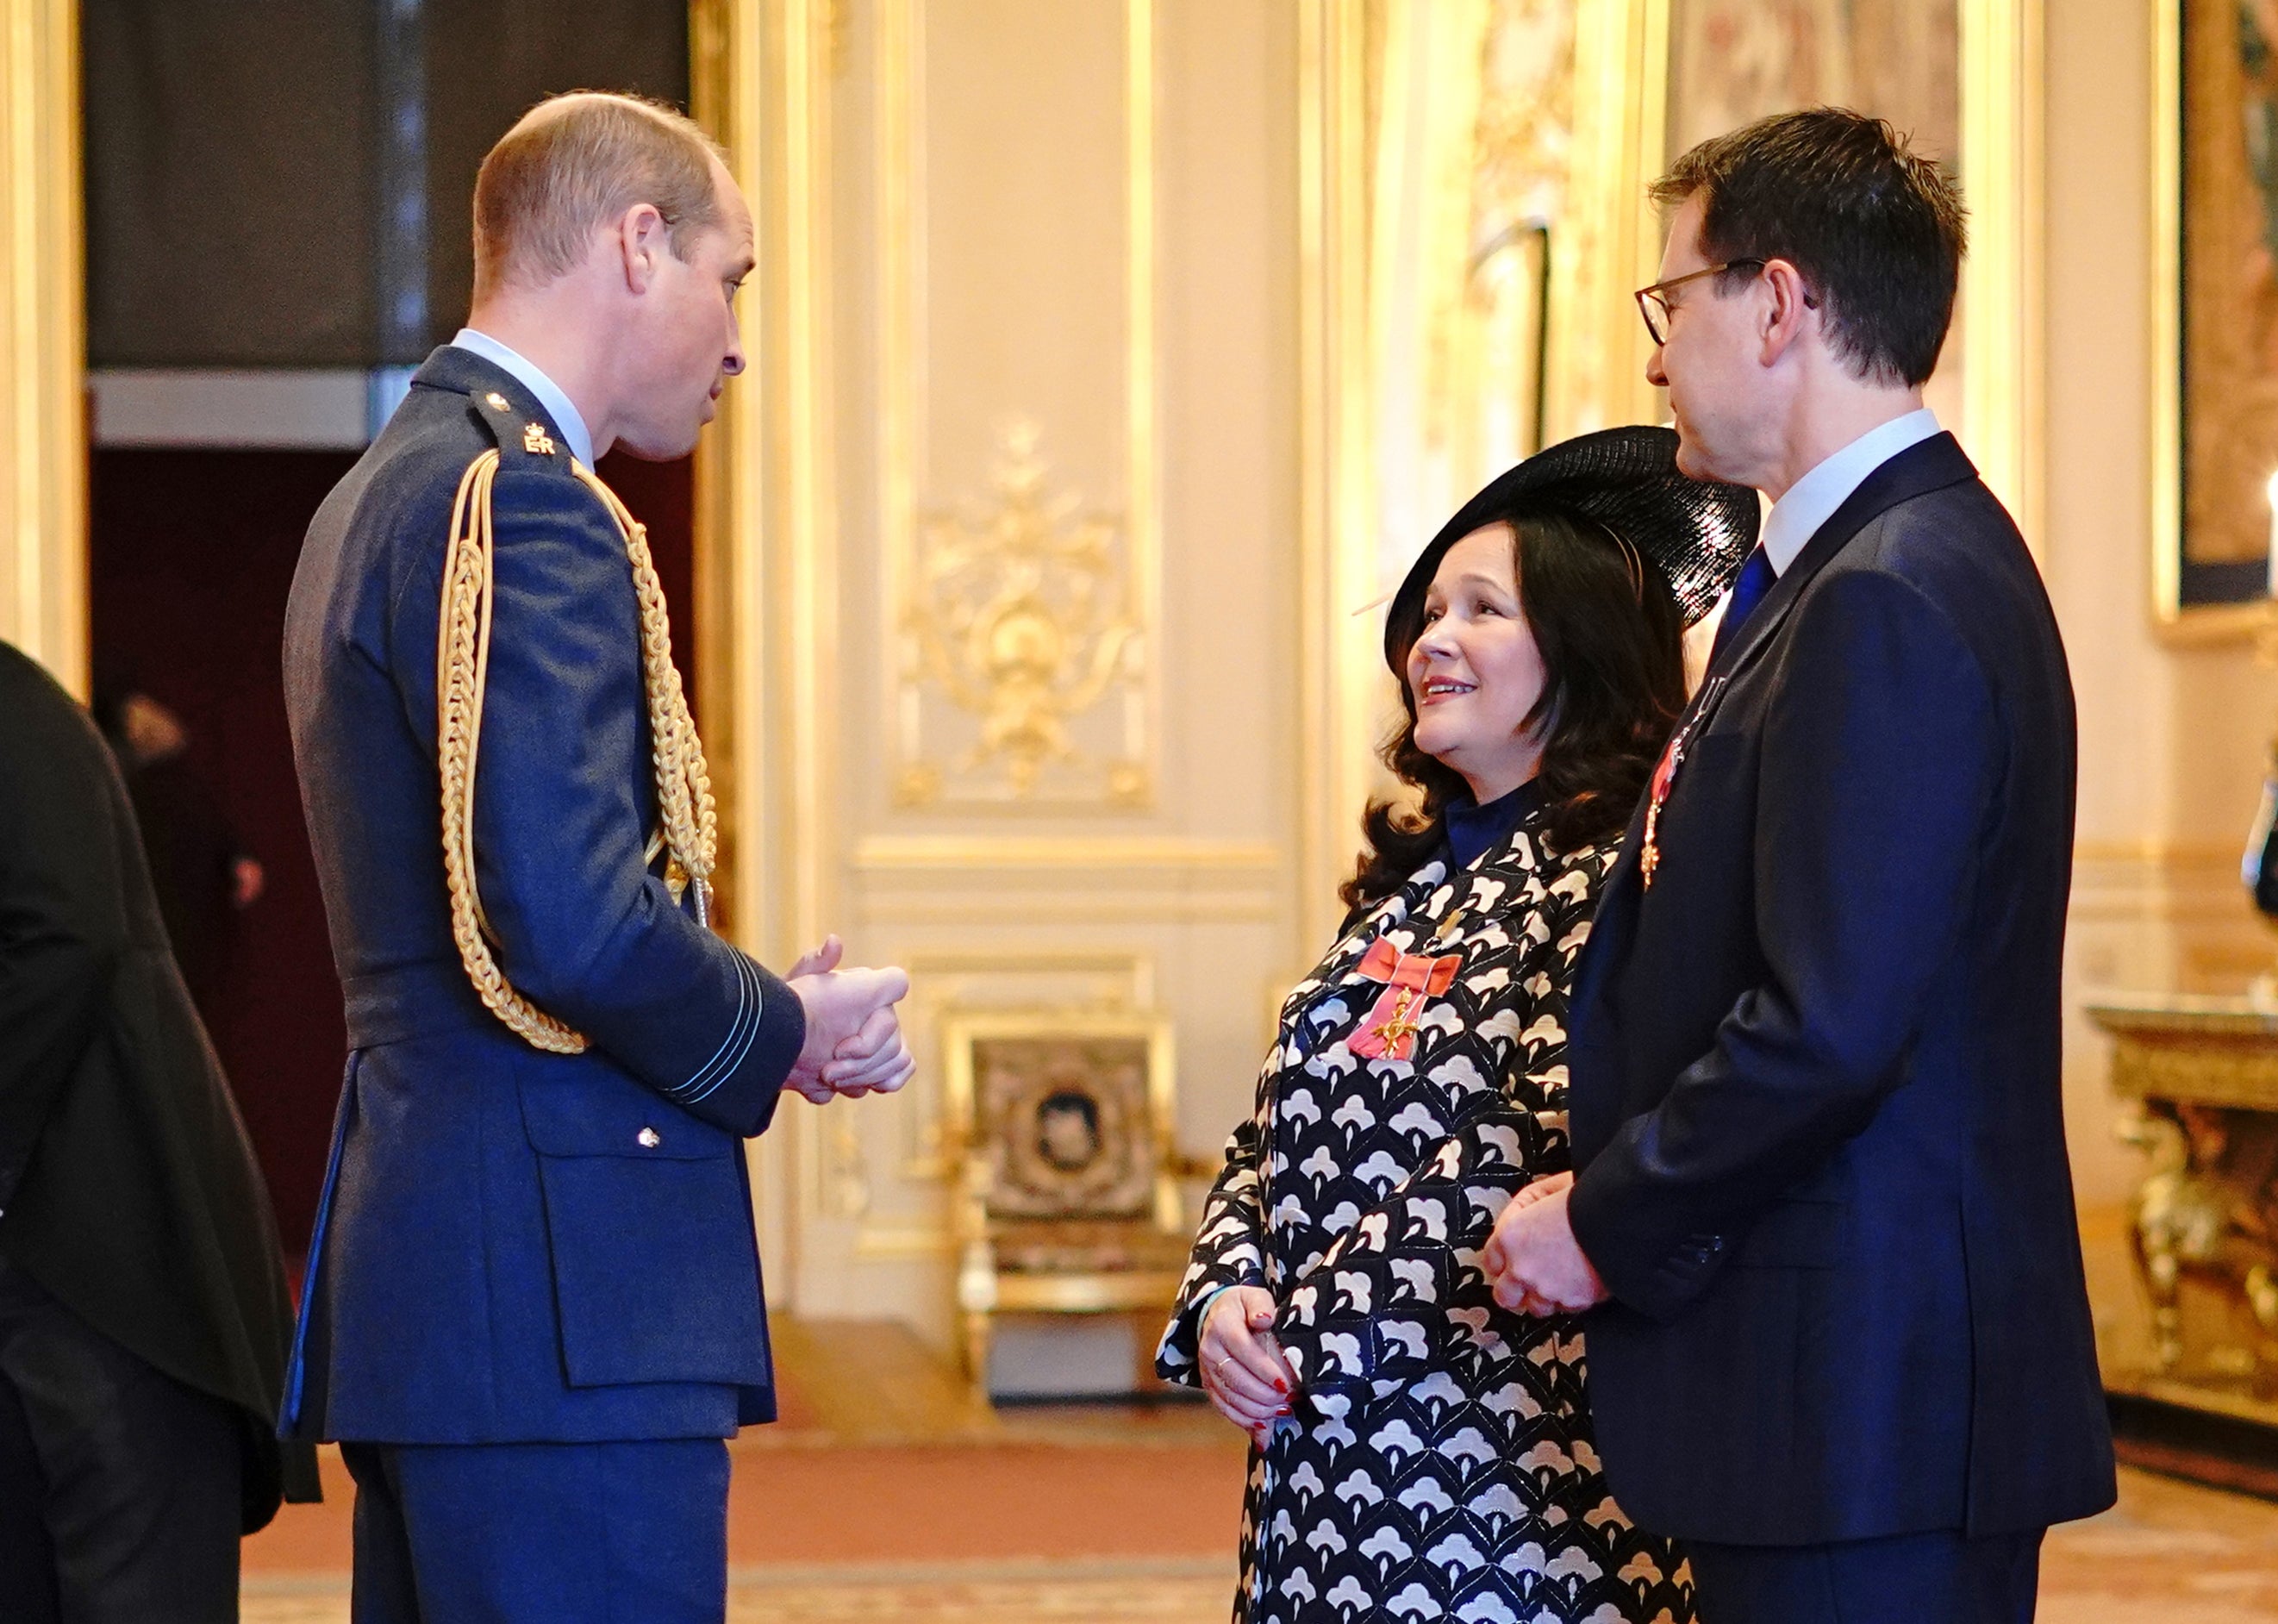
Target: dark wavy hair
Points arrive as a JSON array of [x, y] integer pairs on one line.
[[1610, 635]]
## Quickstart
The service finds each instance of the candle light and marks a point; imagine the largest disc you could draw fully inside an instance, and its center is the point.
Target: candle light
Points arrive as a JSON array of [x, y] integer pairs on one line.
[[2270, 576]]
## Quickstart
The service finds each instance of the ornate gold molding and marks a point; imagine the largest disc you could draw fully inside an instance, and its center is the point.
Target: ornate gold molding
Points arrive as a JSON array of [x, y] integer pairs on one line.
[[1105, 854], [1021, 616], [44, 599]]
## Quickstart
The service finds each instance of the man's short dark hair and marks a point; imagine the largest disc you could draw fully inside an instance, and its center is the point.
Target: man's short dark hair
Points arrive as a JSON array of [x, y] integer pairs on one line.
[[1876, 229]]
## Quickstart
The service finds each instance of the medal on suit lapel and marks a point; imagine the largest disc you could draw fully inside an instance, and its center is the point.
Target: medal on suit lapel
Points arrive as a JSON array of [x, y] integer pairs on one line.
[[1665, 778]]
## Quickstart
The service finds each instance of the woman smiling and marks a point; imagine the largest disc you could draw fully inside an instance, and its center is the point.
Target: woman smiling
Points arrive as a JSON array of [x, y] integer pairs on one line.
[[1418, 1452]]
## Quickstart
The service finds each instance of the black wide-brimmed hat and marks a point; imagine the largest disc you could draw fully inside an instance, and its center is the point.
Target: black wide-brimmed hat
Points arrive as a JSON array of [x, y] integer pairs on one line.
[[1696, 532]]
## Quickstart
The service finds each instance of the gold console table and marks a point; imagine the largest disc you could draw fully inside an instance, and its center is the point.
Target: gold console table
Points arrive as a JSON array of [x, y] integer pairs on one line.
[[2200, 1077]]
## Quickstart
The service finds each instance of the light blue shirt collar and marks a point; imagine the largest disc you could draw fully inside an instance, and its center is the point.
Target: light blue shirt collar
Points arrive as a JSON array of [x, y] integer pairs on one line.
[[526, 372], [1812, 500]]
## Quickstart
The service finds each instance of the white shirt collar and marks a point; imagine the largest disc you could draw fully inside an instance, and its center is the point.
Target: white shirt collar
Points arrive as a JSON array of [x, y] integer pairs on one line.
[[527, 373], [1812, 500]]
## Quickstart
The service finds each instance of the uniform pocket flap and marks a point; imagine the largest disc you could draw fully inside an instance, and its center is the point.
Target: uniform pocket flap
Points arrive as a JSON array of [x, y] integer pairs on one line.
[[597, 1112], [1795, 1235]]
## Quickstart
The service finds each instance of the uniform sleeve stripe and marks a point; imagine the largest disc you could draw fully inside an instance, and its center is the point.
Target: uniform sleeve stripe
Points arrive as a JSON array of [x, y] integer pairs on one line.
[[742, 998], [750, 1031], [733, 1046]]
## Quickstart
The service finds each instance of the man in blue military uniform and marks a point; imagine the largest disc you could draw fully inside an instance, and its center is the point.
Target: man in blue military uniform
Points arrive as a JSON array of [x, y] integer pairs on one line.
[[533, 1308]]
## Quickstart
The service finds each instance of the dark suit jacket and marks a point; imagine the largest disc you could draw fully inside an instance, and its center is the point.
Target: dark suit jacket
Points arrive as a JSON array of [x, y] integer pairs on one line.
[[1814, 1069], [127, 1188], [514, 1245]]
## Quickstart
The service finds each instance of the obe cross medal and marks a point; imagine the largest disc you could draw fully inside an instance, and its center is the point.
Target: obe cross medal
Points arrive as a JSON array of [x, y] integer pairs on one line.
[[1664, 778], [1411, 981]]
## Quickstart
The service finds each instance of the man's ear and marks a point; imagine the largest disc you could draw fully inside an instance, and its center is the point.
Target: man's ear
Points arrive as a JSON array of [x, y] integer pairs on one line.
[[642, 240], [1790, 311]]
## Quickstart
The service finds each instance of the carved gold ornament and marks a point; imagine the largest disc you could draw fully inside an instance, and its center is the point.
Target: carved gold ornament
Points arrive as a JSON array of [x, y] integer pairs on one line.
[[1022, 669]]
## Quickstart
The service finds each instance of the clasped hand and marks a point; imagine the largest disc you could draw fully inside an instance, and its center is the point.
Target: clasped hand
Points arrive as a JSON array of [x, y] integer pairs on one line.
[[1535, 1263], [854, 1038]]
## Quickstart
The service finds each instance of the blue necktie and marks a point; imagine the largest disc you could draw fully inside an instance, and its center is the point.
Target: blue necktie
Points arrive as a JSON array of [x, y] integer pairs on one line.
[[1756, 577]]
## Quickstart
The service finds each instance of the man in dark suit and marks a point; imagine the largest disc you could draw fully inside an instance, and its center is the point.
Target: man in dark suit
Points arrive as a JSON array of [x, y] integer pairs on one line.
[[534, 1309], [1842, 1346], [143, 1309]]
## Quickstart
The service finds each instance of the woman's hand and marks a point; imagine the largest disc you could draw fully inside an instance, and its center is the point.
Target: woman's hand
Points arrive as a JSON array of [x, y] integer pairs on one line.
[[1242, 1369]]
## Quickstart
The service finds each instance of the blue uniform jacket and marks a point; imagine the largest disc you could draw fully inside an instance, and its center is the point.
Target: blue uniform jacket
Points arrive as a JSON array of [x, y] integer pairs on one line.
[[1815, 1073], [515, 1245]]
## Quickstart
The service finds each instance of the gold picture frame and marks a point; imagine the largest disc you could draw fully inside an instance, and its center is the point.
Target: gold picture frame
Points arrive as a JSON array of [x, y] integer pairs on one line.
[[1064, 1114], [1059, 1125], [2198, 600]]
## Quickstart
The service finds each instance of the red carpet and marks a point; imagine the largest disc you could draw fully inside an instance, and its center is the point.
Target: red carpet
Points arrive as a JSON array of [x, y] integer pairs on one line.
[[895, 1504]]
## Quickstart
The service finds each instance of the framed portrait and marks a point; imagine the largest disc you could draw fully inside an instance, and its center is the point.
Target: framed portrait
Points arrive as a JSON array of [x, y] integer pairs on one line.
[[1064, 1115], [2215, 429]]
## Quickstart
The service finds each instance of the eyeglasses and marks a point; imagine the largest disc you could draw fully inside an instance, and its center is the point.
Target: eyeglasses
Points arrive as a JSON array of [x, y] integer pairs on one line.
[[1653, 302]]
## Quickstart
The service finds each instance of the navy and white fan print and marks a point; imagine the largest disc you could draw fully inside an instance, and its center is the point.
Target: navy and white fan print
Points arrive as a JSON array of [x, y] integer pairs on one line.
[[1440, 1465]]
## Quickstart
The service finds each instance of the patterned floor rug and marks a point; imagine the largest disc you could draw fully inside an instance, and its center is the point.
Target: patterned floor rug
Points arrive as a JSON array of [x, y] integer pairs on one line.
[[2169, 1553], [1102, 1593]]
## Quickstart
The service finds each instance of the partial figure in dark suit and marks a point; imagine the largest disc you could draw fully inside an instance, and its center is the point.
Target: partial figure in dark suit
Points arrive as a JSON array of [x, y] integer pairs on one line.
[[1842, 1344], [143, 1309], [533, 1311], [199, 869]]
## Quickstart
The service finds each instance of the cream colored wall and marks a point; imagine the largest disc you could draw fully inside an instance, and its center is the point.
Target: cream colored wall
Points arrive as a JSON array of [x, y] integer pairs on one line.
[[1084, 217], [2172, 738]]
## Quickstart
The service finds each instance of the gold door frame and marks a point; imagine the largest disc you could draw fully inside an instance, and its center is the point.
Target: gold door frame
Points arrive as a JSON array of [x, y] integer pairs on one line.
[[44, 562], [759, 81], [2003, 165]]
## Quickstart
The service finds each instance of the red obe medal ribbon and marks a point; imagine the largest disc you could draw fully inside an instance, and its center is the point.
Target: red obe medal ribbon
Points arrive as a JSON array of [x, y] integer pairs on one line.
[[1412, 980], [1664, 779]]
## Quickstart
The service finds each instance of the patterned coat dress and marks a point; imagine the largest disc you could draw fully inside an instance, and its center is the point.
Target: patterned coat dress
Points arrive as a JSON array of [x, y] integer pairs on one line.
[[1439, 1464]]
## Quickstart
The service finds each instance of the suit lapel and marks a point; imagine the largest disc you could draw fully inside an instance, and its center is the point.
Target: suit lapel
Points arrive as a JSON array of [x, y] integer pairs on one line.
[[1930, 465]]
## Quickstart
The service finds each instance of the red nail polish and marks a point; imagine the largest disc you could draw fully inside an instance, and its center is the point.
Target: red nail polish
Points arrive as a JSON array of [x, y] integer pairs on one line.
[[1280, 1386]]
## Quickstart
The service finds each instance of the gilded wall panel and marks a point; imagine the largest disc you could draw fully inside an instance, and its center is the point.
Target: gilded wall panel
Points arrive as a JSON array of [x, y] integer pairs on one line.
[[1016, 159], [42, 418], [1050, 566]]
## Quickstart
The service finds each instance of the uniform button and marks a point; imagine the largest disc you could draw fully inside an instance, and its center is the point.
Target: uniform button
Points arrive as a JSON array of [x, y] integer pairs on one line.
[[648, 1139]]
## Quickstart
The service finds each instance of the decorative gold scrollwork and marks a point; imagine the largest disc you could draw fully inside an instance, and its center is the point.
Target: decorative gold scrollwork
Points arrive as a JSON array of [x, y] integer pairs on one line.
[[1020, 616]]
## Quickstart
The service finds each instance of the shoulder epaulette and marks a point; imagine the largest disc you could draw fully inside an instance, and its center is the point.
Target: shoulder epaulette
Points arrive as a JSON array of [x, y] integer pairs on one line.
[[524, 439]]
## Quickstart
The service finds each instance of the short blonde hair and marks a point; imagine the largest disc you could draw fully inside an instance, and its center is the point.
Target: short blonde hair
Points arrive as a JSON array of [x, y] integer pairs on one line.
[[574, 162]]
